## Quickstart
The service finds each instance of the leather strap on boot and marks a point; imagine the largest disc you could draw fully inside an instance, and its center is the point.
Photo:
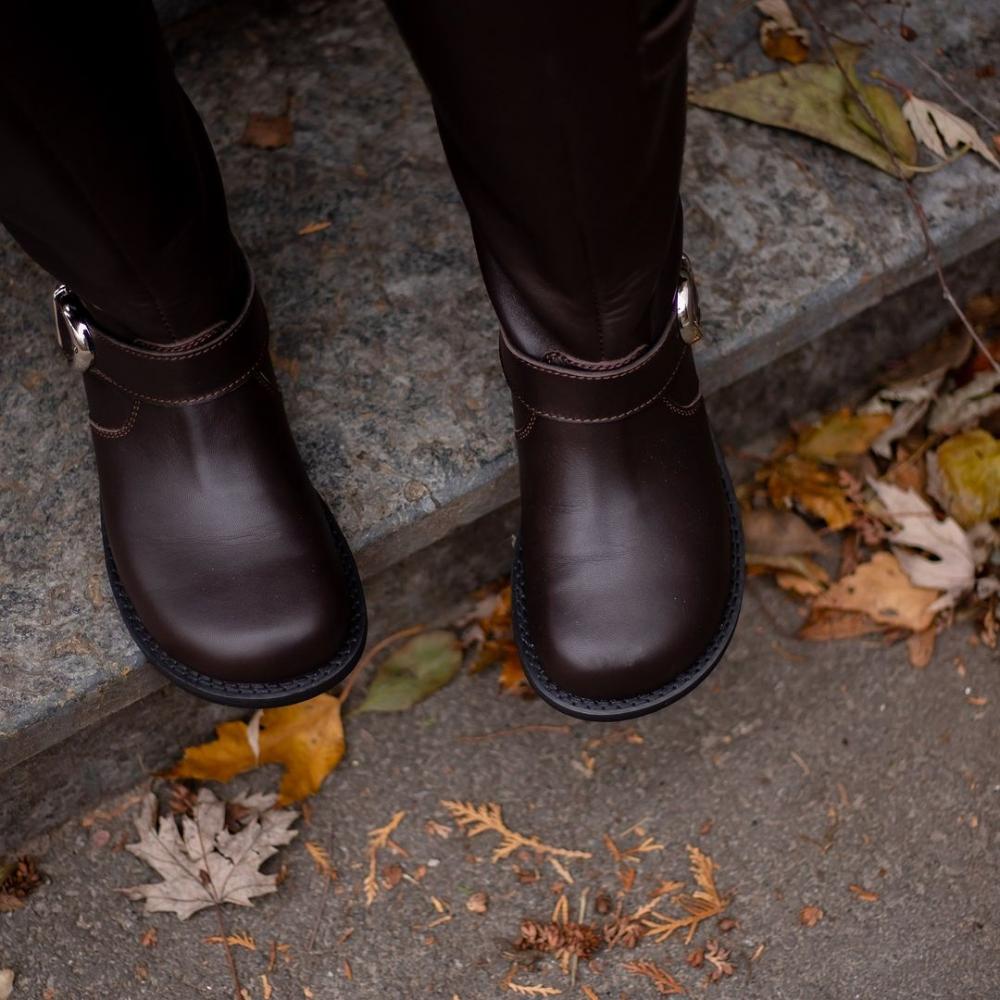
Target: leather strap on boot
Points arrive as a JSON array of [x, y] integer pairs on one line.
[[201, 368], [598, 393]]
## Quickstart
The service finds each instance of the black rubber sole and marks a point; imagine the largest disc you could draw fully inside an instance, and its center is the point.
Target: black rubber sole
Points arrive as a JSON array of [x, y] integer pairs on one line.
[[617, 709], [246, 694]]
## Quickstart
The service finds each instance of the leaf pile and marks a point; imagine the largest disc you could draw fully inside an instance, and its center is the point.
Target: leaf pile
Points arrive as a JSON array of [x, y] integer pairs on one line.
[[910, 481]]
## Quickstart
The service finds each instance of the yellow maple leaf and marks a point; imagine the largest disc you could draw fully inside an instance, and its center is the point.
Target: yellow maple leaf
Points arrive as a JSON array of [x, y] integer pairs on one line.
[[306, 739]]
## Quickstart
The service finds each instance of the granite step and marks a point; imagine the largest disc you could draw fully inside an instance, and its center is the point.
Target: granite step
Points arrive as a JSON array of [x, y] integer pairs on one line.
[[811, 267]]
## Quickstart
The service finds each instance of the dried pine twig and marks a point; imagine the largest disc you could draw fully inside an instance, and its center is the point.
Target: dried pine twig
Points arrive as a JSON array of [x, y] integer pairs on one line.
[[488, 818], [378, 839], [665, 983], [700, 905]]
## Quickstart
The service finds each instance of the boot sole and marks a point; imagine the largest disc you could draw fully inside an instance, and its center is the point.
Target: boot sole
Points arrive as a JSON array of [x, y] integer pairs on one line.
[[618, 709], [253, 694]]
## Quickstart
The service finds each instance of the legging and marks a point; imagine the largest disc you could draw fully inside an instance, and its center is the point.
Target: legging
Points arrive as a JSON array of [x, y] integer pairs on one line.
[[562, 122]]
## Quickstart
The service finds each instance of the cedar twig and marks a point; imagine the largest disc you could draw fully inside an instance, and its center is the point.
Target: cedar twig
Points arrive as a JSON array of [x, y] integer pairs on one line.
[[489, 817], [378, 839], [918, 208]]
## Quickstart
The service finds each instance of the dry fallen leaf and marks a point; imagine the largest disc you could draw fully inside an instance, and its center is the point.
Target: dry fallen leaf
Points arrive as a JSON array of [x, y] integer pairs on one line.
[[781, 37], [824, 624], [864, 894], [967, 405], [968, 477], [204, 864], [953, 566], [841, 433], [937, 127], [6, 983], [920, 648], [267, 131], [779, 533], [795, 573], [810, 486], [813, 100], [413, 672], [880, 589], [478, 902], [306, 739], [810, 916]]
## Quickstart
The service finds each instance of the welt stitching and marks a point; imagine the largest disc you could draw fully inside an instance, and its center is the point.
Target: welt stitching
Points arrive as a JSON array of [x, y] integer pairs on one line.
[[118, 432]]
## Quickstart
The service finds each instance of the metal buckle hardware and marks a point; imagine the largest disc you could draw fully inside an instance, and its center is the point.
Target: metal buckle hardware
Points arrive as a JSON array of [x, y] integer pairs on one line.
[[688, 310], [72, 329]]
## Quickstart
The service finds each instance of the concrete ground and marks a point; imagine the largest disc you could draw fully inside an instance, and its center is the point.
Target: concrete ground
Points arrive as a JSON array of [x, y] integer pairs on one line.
[[801, 769]]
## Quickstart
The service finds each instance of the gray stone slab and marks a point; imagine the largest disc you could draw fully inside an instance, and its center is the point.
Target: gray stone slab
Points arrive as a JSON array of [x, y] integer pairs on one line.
[[385, 337]]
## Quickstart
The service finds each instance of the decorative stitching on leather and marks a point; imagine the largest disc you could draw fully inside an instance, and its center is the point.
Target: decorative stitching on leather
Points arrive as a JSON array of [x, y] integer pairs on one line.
[[653, 354], [267, 383], [118, 432], [682, 409], [166, 356], [522, 432], [180, 402], [558, 357]]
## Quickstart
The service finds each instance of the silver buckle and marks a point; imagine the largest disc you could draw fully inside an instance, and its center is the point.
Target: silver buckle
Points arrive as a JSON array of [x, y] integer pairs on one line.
[[72, 329], [688, 310]]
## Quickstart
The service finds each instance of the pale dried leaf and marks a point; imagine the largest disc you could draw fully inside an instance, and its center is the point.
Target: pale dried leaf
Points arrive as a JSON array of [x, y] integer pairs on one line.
[[954, 568], [779, 533], [966, 406], [202, 863], [6, 983], [881, 589], [937, 127]]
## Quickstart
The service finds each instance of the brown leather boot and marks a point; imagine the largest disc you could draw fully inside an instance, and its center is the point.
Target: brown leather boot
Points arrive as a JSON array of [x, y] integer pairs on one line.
[[228, 569], [628, 573], [564, 128]]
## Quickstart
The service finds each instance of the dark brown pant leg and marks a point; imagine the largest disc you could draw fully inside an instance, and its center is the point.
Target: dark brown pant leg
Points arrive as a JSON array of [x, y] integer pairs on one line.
[[107, 178], [563, 123]]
